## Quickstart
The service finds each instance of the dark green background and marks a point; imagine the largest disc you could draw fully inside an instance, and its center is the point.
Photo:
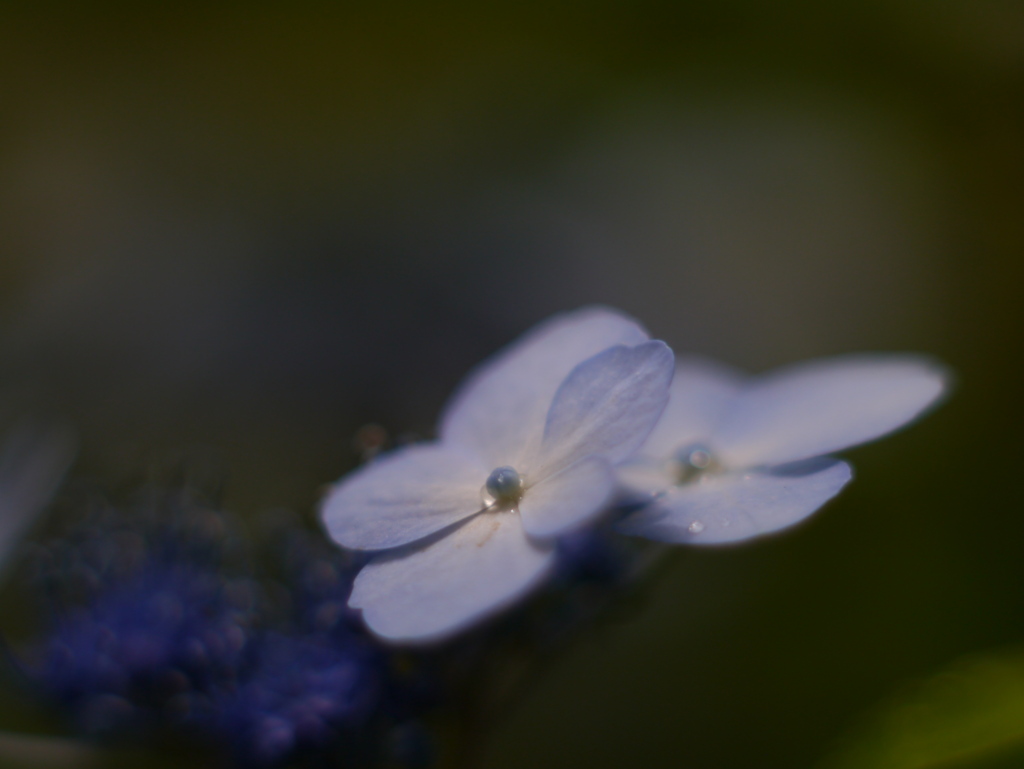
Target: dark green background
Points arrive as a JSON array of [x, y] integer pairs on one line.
[[249, 229]]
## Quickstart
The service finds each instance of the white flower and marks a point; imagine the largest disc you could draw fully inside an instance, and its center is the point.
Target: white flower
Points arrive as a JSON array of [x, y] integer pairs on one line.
[[467, 524], [733, 458]]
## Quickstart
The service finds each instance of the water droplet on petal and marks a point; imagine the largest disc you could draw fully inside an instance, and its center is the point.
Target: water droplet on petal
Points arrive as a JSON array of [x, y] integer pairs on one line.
[[692, 462], [504, 487], [700, 458], [695, 528]]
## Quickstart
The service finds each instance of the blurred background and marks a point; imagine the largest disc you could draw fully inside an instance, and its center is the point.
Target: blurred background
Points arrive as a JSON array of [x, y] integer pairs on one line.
[[247, 230]]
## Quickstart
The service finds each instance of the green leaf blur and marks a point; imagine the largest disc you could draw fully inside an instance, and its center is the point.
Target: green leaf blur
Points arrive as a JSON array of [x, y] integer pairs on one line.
[[968, 716]]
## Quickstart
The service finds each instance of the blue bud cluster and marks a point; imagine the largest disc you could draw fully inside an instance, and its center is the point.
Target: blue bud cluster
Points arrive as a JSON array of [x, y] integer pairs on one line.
[[299, 694], [161, 622], [149, 648]]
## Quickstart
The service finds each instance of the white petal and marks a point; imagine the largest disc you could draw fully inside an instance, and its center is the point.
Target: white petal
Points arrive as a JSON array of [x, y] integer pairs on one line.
[[404, 496], [568, 499], [820, 407], [700, 394], [429, 591], [606, 407], [734, 507], [501, 407], [642, 477]]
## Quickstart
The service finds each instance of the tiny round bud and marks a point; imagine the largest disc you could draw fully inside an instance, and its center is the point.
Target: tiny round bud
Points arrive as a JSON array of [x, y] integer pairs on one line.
[[505, 484]]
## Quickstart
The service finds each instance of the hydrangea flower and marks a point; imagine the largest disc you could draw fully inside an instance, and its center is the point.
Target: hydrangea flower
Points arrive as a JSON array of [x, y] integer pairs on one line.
[[734, 458], [468, 524]]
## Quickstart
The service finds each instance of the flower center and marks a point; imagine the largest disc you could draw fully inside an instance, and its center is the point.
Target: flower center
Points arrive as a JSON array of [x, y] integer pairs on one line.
[[504, 487], [693, 461]]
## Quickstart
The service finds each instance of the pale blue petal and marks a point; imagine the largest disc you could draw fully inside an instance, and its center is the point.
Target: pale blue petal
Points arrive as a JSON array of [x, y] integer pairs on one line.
[[820, 407], [738, 506], [700, 395], [568, 499], [499, 411], [606, 407], [404, 496], [645, 477], [33, 461], [429, 591]]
